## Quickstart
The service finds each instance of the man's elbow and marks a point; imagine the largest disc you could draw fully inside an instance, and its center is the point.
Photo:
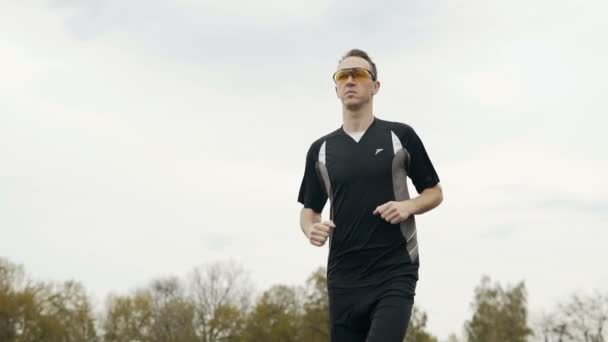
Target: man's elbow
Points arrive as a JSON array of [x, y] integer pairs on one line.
[[438, 190], [309, 213]]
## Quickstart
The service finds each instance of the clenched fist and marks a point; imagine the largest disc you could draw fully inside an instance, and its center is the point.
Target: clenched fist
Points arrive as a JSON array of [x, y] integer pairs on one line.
[[394, 211], [319, 232]]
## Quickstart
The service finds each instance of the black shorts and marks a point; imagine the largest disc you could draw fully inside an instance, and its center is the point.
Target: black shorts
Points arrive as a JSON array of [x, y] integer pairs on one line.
[[376, 313]]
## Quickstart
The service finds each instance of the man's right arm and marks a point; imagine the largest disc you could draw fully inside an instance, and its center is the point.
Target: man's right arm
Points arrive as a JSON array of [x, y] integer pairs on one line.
[[316, 232], [313, 198]]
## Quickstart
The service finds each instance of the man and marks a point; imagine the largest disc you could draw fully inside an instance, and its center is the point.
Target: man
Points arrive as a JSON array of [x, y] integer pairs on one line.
[[362, 169]]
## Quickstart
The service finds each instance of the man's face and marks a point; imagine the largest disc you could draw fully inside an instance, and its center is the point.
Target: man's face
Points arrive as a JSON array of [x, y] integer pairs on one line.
[[355, 88]]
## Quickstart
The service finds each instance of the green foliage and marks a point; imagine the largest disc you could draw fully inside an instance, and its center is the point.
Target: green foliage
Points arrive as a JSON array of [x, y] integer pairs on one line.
[[416, 331], [315, 318], [213, 304], [173, 313], [128, 318], [42, 312], [500, 315], [158, 313], [276, 317]]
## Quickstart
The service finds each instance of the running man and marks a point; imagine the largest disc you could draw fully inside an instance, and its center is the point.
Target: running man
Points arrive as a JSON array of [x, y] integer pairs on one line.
[[362, 169]]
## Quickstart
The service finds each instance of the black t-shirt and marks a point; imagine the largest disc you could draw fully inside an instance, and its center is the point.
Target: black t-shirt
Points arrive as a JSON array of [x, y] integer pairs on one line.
[[357, 177]]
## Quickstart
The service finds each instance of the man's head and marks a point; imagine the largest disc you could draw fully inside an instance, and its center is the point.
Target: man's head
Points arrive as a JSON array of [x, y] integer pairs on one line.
[[356, 79]]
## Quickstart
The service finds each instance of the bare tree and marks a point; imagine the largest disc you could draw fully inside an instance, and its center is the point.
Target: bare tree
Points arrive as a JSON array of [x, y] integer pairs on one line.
[[580, 319], [548, 328], [221, 294], [586, 318]]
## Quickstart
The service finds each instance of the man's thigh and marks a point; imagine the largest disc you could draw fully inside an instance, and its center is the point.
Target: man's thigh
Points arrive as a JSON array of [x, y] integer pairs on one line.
[[349, 314], [390, 318], [344, 333], [380, 313]]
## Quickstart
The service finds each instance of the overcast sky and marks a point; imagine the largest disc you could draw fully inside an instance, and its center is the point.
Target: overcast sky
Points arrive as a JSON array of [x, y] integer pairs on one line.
[[140, 139]]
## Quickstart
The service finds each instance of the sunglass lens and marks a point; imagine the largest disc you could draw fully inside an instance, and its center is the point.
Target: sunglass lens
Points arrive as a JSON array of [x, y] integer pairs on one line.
[[341, 76], [360, 74]]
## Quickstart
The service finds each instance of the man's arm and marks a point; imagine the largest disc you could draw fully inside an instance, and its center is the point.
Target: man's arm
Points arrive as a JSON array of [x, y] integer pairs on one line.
[[308, 217], [316, 232], [397, 211], [428, 200]]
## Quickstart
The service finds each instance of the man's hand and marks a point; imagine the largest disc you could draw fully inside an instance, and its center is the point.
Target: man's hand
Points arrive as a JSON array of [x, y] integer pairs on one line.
[[318, 233], [395, 211]]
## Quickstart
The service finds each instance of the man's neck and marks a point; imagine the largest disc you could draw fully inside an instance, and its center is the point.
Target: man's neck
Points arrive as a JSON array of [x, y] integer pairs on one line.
[[357, 121]]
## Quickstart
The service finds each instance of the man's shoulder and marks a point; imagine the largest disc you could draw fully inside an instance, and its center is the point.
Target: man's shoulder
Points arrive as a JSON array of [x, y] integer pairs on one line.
[[401, 129], [316, 144]]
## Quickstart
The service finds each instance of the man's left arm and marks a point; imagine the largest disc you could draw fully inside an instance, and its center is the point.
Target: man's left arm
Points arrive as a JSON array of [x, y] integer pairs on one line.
[[429, 199], [424, 177], [397, 211]]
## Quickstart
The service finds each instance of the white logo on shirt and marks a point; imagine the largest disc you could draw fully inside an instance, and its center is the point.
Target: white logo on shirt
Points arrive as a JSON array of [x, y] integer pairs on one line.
[[378, 150]]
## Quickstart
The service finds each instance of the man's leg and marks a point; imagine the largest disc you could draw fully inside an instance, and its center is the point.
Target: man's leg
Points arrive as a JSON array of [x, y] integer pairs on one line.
[[391, 318], [343, 333], [348, 317]]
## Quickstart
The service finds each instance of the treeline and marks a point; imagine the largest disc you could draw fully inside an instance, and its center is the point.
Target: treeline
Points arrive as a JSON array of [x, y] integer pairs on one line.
[[217, 303]]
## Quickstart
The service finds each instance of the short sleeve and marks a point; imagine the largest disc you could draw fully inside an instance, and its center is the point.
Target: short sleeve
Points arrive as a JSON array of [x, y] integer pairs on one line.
[[420, 169], [312, 194]]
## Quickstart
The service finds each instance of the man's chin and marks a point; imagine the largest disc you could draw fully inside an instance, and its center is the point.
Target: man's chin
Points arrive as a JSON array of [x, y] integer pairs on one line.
[[353, 105]]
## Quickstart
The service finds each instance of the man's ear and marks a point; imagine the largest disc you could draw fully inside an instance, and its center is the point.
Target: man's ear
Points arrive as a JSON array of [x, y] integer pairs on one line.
[[376, 87], [336, 89]]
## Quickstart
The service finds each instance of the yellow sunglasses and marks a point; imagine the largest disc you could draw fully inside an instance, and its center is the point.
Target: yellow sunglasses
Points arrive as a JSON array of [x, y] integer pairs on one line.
[[358, 74]]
